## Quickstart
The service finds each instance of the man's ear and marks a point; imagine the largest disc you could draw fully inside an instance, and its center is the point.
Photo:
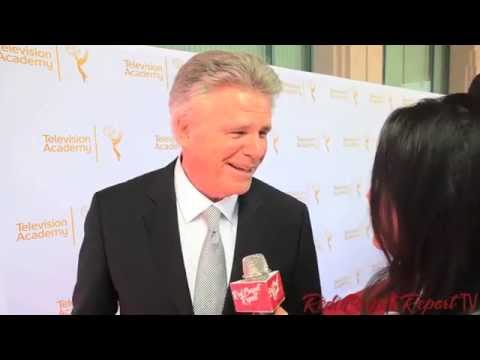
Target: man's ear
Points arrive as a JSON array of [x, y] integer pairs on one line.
[[181, 129]]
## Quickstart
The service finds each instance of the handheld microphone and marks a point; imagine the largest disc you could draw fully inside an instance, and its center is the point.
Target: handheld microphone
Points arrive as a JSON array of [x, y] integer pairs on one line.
[[260, 290]]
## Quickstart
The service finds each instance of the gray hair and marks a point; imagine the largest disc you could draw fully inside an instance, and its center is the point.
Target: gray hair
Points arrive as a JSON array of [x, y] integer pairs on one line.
[[208, 70]]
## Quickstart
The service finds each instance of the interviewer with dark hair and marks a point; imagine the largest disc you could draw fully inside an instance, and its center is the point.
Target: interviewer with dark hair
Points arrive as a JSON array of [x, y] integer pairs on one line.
[[425, 211]]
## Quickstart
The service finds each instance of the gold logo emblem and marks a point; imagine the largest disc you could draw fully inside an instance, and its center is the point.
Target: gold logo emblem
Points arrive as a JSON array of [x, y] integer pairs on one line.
[[80, 59], [316, 193], [327, 141], [355, 96], [313, 88], [329, 238], [276, 138], [115, 137]]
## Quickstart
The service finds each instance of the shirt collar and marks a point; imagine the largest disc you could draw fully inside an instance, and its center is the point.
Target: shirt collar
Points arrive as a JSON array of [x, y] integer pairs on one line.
[[192, 202]]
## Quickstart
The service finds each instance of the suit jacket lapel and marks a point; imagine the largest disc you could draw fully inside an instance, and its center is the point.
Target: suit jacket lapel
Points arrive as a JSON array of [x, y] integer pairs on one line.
[[249, 238], [161, 223]]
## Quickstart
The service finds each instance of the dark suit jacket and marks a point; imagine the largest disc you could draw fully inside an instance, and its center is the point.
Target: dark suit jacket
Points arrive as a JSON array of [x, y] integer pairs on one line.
[[131, 253]]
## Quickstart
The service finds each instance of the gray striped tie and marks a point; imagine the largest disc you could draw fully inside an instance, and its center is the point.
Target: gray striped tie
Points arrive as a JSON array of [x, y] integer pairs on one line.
[[211, 280]]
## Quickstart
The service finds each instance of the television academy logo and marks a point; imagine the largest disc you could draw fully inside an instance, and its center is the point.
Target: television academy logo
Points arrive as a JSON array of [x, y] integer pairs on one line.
[[316, 194], [329, 239], [380, 99], [349, 189], [367, 143], [313, 89], [146, 70], [327, 140], [165, 143], [46, 229], [83, 144], [115, 136], [291, 88], [355, 96], [59, 227], [54, 143], [349, 95], [357, 233], [71, 143], [358, 187], [80, 57], [311, 142], [35, 57], [276, 139]]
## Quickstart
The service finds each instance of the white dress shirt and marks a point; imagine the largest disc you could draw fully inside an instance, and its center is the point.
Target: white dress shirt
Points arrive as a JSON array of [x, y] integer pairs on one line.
[[191, 203]]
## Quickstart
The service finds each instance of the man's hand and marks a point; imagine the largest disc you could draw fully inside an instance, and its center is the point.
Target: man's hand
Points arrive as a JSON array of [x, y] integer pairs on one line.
[[280, 311]]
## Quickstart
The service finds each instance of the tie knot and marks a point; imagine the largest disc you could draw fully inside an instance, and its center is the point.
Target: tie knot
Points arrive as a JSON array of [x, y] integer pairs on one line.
[[212, 216]]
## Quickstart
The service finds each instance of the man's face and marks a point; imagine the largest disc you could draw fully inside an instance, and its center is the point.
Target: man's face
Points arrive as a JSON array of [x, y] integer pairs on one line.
[[224, 139]]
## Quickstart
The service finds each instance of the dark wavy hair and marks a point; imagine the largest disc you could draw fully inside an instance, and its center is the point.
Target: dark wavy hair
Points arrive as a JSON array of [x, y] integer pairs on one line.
[[425, 201], [474, 89]]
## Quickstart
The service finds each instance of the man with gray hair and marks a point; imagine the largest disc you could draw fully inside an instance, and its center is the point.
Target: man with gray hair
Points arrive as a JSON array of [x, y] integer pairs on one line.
[[171, 241]]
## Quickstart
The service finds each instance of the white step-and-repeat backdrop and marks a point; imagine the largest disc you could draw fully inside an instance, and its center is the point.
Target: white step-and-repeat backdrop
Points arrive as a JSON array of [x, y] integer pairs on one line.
[[76, 119]]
